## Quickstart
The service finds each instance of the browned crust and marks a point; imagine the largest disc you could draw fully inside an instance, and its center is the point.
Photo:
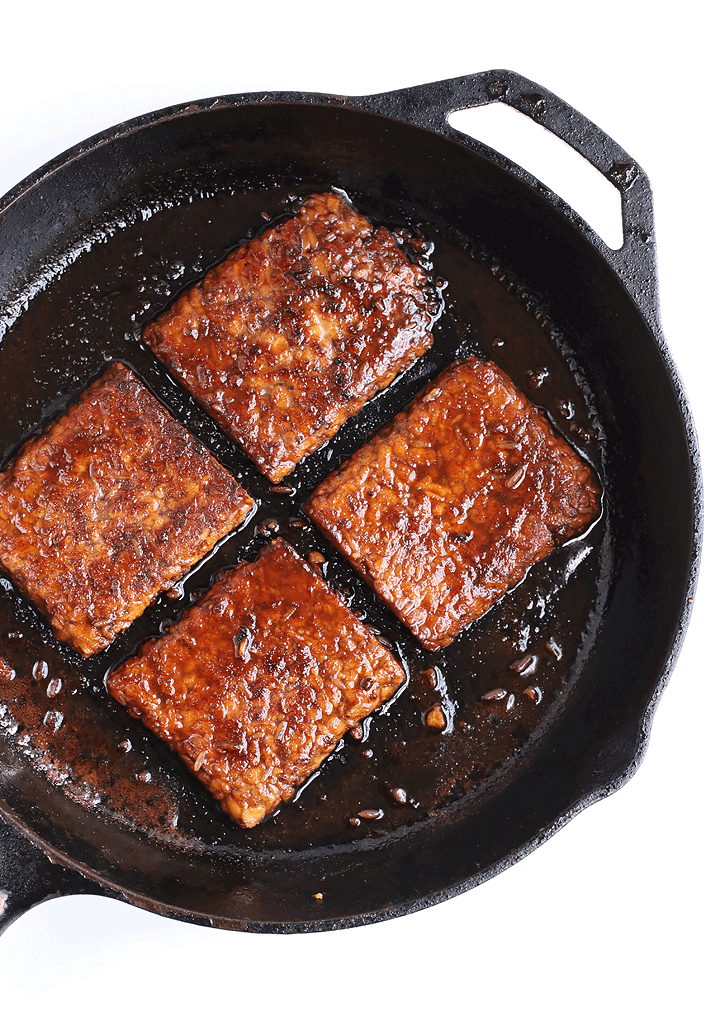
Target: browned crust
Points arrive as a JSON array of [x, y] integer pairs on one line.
[[292, 334], [446, 508], [110, 506], [257, 683]]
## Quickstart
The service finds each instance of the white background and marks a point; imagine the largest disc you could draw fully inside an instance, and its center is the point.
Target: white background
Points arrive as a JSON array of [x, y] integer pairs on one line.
[[617, 913]]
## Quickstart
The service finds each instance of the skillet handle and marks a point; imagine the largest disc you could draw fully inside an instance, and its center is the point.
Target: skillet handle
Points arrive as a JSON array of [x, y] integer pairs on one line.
[[430, 105], [28, 877]]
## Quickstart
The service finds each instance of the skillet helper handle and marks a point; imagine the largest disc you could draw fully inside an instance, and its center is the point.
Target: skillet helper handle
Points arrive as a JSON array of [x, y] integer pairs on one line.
[[28, 877], [430, 105]]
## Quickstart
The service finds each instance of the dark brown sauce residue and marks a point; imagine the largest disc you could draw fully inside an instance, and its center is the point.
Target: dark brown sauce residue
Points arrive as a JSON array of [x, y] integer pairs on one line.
[[400, 770]]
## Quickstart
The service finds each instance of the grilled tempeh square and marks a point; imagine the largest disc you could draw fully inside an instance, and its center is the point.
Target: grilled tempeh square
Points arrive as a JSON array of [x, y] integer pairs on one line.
[[114, 503], [446, 508], [257, 683], [294, 332]]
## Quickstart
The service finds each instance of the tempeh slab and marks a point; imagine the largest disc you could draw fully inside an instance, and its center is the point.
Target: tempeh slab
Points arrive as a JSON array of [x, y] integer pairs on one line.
[[257, 683], [446, 508], [294, 332], [114, 503]]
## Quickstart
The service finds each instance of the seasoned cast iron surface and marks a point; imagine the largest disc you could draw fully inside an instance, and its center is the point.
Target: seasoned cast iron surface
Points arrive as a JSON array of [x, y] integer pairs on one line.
[[56, 709]]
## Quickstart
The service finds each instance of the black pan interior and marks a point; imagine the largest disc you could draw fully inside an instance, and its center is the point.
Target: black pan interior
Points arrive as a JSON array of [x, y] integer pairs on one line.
[[100, 246]]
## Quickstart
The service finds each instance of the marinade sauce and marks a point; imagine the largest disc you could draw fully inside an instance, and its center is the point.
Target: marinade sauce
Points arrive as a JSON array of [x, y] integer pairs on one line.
[[468, 715]]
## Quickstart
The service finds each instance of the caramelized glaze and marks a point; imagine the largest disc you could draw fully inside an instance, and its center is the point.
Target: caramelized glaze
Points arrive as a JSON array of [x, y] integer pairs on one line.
[[258, 682], [295, 331], [448, 506], [111, 505]]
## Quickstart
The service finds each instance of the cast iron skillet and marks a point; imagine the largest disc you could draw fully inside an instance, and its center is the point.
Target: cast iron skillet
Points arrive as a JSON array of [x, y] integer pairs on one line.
[[96, 243]]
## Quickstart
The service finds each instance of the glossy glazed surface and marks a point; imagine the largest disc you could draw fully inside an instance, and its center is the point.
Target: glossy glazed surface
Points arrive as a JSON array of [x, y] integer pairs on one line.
[[258, 682], [113, 504], [449, 505], [294, 332]]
